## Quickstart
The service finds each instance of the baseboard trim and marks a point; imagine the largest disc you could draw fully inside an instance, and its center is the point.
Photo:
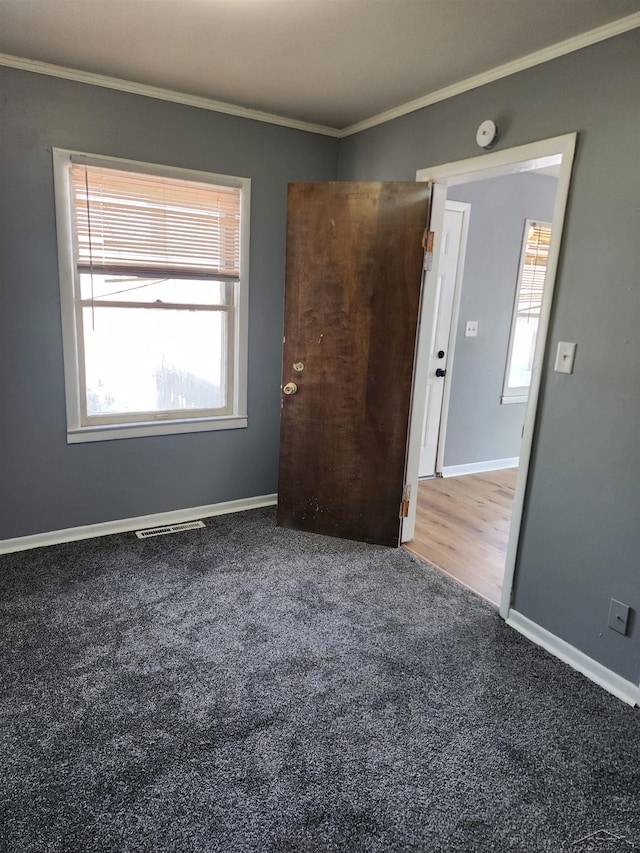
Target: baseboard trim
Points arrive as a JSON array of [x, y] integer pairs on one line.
[[480, 467], [126, 525], [596, 672]]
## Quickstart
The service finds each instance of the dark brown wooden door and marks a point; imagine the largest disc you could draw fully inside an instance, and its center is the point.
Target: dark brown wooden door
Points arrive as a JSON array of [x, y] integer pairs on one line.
[[353, 283]]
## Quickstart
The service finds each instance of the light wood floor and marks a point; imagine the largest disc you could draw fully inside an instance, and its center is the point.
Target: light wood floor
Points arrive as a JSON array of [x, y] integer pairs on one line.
[[462, 527]]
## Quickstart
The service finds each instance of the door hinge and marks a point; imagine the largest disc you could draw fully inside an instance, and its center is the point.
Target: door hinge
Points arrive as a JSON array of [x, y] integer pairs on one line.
[[427, 245], [404, 504]]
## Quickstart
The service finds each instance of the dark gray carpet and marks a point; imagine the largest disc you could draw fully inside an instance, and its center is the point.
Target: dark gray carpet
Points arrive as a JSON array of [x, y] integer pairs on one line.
[[245, 688]]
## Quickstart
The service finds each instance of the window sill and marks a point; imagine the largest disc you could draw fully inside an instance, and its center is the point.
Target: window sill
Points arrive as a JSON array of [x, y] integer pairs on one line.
[[515, 398], [107, 432]]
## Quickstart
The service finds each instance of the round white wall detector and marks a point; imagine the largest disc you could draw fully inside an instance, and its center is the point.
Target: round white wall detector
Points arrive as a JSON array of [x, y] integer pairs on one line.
[[487, 134]]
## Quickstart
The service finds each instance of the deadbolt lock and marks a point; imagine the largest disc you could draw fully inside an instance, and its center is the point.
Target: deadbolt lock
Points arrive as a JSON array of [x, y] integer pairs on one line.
[[290, 388], [298, 366]]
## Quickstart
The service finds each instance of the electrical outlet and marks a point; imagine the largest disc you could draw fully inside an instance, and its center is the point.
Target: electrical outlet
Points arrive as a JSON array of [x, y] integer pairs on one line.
[[619, 616], [471, 329]]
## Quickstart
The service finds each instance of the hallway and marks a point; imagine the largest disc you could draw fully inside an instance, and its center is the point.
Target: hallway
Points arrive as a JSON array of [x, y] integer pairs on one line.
[[462, 528]]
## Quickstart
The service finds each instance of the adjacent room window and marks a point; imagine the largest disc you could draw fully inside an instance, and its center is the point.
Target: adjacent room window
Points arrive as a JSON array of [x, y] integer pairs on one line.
[[153, 277], [526, 311]]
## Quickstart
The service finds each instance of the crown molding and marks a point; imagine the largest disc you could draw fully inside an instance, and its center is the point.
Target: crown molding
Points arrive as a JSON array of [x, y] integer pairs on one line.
[[147, 91], [614, 28]]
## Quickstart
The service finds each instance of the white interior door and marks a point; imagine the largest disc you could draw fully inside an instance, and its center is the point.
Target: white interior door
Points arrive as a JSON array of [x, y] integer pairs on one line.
[[451, 259]]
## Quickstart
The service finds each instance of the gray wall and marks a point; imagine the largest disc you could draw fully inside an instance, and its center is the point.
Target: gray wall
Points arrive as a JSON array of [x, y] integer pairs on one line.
[[581, 533], [479, 427], [47, 484]]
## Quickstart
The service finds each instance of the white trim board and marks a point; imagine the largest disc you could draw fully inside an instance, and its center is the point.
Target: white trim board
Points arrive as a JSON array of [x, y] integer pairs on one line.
[[553, 51], [480, 467], [127, 525], [613, 28], [594, 671], [37, 67]]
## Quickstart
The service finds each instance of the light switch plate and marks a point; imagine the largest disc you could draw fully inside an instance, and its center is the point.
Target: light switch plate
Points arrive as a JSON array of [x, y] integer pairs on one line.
[[618, 616], [565, 357], [471, 329]]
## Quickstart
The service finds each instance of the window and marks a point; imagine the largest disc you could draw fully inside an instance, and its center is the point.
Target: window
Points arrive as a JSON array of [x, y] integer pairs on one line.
[[526, 311], [153, 280]]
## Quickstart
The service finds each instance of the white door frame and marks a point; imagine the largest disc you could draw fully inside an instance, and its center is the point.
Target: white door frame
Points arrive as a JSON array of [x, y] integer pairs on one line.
[[549, 152]]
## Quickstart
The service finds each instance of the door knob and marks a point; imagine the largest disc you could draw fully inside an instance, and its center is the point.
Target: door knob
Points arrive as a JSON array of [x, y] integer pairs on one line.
[[440, 372], [290, 388]]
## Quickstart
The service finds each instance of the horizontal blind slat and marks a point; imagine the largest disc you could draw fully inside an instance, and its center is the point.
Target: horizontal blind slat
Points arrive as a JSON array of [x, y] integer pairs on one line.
[[156, 272]]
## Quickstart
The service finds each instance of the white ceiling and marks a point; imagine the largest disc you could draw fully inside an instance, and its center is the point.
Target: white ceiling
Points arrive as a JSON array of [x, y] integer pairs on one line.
[[330, 62]]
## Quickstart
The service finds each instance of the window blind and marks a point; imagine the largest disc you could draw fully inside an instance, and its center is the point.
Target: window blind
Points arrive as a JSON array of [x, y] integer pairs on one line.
[[146, 224], [534, 269]]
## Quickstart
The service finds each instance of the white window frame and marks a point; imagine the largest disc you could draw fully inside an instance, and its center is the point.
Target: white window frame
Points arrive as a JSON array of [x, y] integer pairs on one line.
[[72, 345], [518, 394]]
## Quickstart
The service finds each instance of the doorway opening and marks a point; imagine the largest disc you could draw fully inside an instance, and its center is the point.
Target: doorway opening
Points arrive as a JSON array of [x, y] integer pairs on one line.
[[462, 528], [491, 276], [480, 351]]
